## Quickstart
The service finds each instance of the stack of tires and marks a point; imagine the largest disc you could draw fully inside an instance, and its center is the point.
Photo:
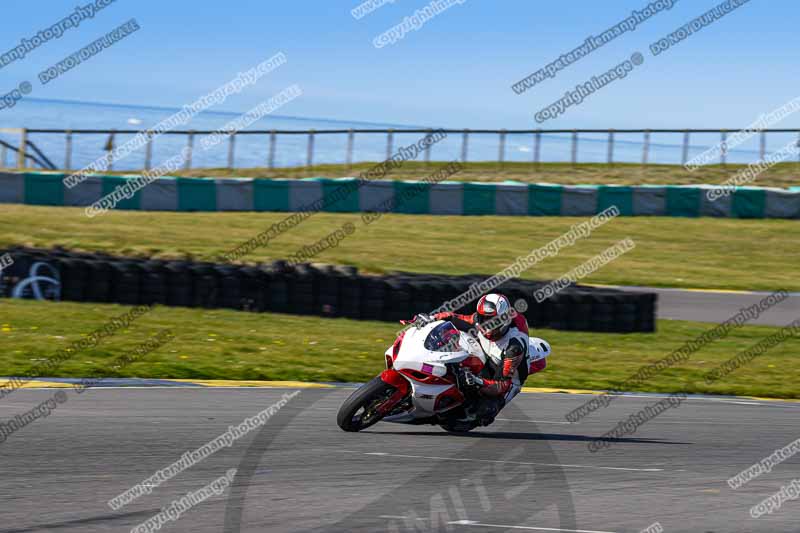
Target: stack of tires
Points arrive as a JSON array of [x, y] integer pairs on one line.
[[329, 291]]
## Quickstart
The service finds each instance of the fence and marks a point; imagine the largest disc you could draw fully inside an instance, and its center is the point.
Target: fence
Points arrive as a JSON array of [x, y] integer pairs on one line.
[[534, 144]]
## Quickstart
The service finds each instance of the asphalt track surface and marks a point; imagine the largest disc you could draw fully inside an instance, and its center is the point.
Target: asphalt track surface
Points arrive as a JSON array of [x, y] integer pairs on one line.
[[530, 471], [718, 306]]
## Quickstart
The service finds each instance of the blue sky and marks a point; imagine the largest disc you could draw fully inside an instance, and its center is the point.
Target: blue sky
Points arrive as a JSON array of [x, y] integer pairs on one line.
[[455, 71]]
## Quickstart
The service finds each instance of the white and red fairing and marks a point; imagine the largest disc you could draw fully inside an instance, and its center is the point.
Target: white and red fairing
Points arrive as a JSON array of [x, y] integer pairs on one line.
[[412, 368], [433, 388]]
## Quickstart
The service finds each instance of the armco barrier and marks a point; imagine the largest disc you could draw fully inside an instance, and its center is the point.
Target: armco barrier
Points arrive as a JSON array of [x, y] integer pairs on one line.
[[445, 198], [329, 291]]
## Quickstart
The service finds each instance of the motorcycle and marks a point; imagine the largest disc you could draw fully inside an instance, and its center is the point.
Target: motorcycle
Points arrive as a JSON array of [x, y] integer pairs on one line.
[[424, 381]]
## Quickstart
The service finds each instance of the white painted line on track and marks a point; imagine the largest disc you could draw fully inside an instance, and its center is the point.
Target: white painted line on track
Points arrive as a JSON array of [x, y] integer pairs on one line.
[[591, 467], [473, 523]]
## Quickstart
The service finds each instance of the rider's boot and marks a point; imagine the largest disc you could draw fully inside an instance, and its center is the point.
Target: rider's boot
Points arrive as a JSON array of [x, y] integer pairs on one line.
[[488, 409]]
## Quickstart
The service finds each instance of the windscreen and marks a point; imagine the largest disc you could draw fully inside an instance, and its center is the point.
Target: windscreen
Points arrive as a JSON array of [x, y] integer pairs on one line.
[[443, 338]]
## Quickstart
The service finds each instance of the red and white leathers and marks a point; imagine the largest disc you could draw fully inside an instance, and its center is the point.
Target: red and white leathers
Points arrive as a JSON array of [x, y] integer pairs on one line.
[[509, 356]]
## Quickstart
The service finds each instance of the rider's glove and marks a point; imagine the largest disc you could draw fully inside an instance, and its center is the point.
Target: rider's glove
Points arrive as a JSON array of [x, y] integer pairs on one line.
[[422, 320]]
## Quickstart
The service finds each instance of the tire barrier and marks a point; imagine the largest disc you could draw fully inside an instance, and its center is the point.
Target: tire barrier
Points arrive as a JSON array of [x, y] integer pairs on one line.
[[304, 289]]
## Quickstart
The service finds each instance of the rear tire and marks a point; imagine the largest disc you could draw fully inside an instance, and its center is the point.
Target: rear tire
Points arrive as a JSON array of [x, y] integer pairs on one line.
[[358, 411]]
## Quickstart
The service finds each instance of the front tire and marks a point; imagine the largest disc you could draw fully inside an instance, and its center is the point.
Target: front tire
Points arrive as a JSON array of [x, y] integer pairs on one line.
[[359, 411]]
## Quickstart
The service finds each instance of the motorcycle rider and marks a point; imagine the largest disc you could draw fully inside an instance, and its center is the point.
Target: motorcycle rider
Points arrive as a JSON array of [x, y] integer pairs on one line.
[[502, 334]]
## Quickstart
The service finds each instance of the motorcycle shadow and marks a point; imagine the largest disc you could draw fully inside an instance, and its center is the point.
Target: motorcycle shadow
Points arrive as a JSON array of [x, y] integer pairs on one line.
[[506, 435]]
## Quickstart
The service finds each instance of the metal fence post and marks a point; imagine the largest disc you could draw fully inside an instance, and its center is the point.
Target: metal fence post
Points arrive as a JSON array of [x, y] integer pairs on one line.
[[148, 152], [3, 156], [574, 154], [271, 156], [389, 139], [310, 149], [110, 150], [501, 149], [428, 149], [763, 147], [537, 148], [723, 152], [610, 154], [23, 143], [349, 152], [231, 149], [646, 147], [189, 150], [68, 154], [464, 145], [798, 145], [685, 155]]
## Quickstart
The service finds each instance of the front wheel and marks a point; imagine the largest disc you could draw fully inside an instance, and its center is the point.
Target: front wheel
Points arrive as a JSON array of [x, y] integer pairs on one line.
[[360, 410]]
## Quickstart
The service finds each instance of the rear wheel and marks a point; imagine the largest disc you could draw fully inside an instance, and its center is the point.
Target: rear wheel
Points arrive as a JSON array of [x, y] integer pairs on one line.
[[360, 410]]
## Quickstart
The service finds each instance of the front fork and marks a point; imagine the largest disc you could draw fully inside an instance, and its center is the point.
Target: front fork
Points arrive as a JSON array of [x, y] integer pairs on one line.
[[393, 378]]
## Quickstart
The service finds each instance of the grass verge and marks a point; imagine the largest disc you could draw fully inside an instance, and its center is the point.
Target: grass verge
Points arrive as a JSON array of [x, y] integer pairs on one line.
[[669, 252], [223, 344]]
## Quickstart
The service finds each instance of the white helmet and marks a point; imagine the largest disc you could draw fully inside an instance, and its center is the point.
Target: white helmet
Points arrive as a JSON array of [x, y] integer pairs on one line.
[[493, 316]]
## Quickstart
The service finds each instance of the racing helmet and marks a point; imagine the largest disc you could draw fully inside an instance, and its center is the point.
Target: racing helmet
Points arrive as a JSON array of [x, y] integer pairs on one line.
[[493, 316]]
